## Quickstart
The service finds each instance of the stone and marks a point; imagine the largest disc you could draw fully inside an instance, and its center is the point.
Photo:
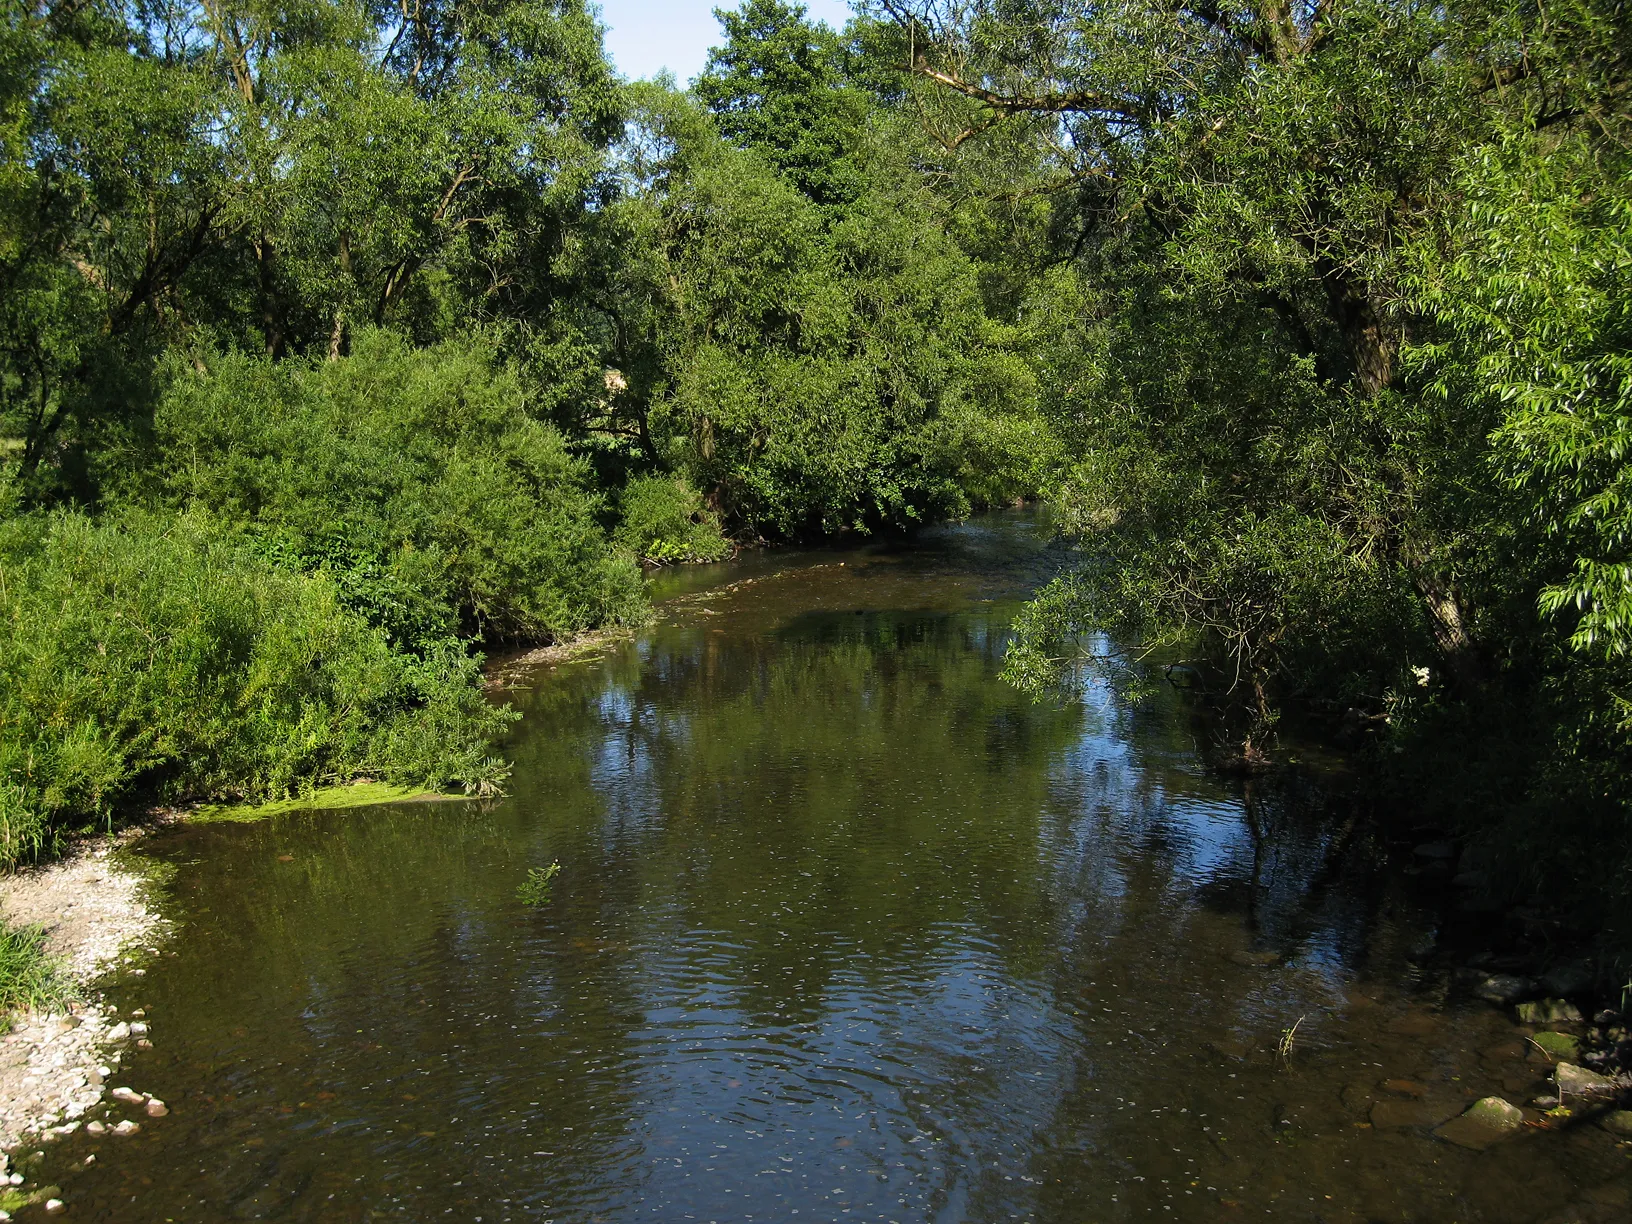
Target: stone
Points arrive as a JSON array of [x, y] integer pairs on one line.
[[1503, 988], [1255, 958], [1359, 1097], [1549, 1011], [1413, 1024], [96, 1128], [1484, 1122], [55, 1206], [1579, 1082], [1565, 980], [129, 1096], [1404, 1088], [1618, 1122], [157, 1108], [127, 1127], [1399, 1114], [138, 1028], [142, 1043], [119, 1032], [1560, 1047]]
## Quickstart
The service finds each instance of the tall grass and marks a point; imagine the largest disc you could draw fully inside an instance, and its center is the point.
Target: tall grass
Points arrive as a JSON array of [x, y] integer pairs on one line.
[[29, 978]]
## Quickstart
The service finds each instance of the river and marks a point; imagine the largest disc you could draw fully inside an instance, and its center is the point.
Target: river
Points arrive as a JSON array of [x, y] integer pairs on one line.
[[846, 929]]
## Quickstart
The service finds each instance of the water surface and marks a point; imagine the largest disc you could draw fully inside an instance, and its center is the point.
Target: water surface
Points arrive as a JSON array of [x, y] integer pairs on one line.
[[846, 929]]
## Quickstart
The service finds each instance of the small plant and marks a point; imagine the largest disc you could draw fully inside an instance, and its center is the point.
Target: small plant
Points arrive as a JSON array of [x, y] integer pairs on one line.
[[29, 980], [1284, 1046], [534, 891]]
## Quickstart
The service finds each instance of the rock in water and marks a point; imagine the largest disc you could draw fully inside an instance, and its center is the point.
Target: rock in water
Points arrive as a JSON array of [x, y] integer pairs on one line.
[[1483, 1124], [1560, 1047], [128, 1095], [1618, 1122], [157, 1108], [1549, 1011], [1579, 1082], [127, 1127], [1503, 988], [1567, 980], [1259, 959], [1404, 1088], [1388, 1114]]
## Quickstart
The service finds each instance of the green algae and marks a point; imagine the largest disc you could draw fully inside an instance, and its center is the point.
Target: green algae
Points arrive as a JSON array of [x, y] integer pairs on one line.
[[357, 794]]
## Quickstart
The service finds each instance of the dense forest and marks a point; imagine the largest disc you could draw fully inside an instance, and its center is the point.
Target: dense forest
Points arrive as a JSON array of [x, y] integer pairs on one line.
[[343, 340]]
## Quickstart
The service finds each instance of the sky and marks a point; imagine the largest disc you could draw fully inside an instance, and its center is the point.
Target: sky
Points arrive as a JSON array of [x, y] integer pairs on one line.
[[646, 36]]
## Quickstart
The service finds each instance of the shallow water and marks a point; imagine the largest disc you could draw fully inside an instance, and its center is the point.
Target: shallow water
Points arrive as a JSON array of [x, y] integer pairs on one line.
[[846, 929]]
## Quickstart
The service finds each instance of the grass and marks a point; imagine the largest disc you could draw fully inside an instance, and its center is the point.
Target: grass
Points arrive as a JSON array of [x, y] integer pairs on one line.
[[29, 977], [1284, 1046]]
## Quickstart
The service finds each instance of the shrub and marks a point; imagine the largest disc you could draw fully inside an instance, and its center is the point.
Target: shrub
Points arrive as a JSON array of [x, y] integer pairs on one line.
[[159, 651], [416, 479], [664, 519]]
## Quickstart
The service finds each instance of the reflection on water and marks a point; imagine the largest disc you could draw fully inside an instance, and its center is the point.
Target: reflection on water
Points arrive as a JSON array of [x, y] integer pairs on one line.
[[846, 929]]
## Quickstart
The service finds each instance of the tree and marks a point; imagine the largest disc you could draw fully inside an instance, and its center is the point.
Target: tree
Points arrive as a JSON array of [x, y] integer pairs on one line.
[[778, 86], [272, 175]]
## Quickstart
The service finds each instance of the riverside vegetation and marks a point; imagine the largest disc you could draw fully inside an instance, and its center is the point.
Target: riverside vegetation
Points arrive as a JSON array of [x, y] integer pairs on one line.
[[339, 342]]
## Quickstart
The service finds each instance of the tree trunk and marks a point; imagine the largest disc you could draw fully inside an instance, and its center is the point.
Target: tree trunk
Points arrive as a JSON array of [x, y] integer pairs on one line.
[[1448, 621], [271, 321], [1370, 343]]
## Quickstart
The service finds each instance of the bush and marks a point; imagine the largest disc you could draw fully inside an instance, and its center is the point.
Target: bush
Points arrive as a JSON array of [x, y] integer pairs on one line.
[[664, 519], [160, 651], [416, 479]]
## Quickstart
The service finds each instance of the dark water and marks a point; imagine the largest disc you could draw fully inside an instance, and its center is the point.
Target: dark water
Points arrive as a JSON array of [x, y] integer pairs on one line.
[[846, 929]]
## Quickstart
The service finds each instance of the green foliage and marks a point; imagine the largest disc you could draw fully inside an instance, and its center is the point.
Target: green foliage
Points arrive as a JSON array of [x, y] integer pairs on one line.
[[416, 478], [778, 86], [1337, 357], [791, 360], [29, 979], [1536, 305], [534, 891], [664, 519], [160, 652]]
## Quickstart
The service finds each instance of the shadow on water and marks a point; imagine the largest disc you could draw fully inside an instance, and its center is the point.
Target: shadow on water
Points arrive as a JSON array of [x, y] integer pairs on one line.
[[847, 929]]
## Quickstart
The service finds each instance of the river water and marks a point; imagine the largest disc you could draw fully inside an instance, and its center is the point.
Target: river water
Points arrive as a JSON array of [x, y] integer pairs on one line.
[[846, 929]]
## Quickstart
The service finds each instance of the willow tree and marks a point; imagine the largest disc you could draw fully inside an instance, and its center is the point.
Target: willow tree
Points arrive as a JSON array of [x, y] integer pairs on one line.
[[270, 174], [1256, 474]]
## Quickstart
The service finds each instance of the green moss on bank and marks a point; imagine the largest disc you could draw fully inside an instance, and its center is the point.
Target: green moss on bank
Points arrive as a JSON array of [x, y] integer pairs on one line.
[[360, 794]]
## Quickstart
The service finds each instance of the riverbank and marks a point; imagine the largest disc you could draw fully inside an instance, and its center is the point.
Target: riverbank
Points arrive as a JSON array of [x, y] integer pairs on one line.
[[56, 1066]]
